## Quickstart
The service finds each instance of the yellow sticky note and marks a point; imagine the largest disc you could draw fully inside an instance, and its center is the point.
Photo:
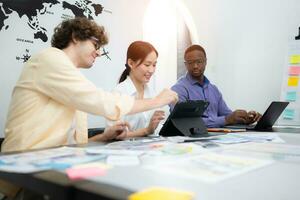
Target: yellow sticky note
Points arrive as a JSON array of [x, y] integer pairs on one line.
[[293, 81], [156, 193], [93, 164], [295, 59]]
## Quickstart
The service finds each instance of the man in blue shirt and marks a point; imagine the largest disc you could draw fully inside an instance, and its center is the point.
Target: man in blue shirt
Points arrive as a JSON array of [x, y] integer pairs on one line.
[[195, 86]]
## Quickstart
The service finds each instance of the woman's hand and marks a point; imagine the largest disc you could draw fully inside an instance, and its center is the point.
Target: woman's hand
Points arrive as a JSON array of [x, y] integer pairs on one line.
[[157, 116]]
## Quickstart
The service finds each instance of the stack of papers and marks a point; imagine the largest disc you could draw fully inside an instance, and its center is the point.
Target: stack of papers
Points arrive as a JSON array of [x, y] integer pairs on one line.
[[210, 167], [56, 158], [97, 150]]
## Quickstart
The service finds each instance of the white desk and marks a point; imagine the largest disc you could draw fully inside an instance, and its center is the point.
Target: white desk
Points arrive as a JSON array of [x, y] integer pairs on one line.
[[278, 181]]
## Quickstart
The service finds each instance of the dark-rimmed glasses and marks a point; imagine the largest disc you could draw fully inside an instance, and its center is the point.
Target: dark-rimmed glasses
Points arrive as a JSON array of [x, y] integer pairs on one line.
[[95, 43], [197, 62]]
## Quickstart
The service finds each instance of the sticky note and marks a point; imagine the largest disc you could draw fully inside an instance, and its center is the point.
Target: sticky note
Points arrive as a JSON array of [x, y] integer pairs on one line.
[[293, 81], [54, 165], [93, 164], [289, 114], [177, 149], [291, 96], [295, 59], [294, 70], [81, 173], [161, 193]]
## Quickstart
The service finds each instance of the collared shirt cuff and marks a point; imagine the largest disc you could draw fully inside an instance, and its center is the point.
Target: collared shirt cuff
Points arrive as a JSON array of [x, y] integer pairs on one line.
[[220, 121]]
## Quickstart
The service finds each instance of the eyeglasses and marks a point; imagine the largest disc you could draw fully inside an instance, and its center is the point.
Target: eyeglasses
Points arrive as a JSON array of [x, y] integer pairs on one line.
[[197, 62], [95, 43]]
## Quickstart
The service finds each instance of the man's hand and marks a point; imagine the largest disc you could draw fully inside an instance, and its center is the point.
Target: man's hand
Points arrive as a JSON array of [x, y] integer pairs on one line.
[[117, 131], [237, 117], [166, 96], [252, 116]]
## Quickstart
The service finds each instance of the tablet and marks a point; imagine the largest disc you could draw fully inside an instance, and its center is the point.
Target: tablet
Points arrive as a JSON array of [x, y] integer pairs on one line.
[[186, 119]]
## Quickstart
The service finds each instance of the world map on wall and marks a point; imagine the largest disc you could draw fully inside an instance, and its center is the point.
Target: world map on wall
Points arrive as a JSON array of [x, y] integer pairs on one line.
[[32, 10]]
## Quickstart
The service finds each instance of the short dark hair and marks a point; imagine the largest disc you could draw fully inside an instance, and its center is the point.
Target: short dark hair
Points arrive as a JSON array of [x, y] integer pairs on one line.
[[194, 47], [80, 28]]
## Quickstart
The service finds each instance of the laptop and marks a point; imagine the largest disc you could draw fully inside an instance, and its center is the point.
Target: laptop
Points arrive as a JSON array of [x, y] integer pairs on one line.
[[267, 120]]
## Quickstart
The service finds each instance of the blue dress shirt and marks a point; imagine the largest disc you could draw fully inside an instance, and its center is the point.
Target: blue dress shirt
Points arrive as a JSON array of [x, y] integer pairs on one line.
[[189, 88]]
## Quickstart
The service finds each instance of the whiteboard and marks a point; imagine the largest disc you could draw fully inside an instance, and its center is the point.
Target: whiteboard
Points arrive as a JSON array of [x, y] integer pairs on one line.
[[290, 90]]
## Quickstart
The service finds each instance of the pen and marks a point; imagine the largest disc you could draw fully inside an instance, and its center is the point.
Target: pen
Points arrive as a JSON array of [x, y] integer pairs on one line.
[[219, 130], [196, 140], [225, 130]]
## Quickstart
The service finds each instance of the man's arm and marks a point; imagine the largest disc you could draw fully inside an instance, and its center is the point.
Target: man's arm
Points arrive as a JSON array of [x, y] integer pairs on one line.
[[223, 109], [208, 120], [181, 92], [61, 81], [56, 77], [214, 122], [165, 97]]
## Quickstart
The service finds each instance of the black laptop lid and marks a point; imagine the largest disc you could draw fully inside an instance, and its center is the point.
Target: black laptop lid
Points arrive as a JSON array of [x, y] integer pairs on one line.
[[189, 109], [271, 115]]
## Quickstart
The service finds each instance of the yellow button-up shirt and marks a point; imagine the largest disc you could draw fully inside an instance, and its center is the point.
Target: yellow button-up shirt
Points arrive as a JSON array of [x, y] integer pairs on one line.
[[49, 96]]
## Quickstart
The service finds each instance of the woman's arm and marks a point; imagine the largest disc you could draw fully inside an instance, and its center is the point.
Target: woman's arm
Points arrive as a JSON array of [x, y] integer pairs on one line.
[[157, 116]]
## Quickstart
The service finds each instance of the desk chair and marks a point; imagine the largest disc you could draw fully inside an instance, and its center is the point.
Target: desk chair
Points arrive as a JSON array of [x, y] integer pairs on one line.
[[1, 140]]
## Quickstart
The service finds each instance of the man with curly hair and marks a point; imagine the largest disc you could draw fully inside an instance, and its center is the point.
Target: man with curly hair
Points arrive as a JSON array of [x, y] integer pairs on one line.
[[51, 98]]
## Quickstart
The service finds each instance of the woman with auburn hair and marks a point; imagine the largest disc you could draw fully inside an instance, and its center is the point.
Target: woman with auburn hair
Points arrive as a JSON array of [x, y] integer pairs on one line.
[[140, 66]]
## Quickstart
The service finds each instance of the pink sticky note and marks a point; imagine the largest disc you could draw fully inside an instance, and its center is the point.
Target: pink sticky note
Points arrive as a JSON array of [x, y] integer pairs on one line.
[[294, 70], [81, 173]]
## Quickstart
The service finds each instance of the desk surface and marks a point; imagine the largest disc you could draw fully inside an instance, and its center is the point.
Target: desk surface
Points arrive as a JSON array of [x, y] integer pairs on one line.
[[276, 181], [279, 180]]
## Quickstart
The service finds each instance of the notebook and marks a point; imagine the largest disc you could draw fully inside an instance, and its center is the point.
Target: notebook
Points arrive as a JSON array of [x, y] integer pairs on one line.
[[267, 120]]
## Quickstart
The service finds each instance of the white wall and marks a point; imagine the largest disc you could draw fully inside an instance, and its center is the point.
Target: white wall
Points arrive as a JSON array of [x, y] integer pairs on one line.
[[124, 25], [246, 43]]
